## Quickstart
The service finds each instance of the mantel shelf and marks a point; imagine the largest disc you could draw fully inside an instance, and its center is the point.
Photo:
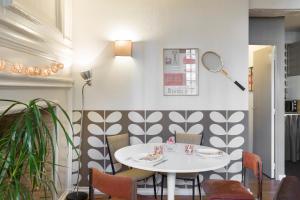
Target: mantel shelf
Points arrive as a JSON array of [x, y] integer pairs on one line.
[[8, 80]]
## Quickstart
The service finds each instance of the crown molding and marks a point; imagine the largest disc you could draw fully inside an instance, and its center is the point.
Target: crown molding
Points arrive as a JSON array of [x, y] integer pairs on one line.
[[24, 33]]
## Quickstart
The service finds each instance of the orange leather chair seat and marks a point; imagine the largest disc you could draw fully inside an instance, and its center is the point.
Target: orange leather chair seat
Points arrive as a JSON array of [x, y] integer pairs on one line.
[[225, 190]]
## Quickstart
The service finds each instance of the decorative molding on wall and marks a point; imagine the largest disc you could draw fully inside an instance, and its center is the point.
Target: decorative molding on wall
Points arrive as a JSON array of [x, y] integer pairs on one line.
[[10, 80], [226, 130], [23, 33]]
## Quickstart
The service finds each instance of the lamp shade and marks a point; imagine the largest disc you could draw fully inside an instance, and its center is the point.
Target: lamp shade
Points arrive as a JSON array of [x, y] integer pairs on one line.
[[87, 76], [123, 48]]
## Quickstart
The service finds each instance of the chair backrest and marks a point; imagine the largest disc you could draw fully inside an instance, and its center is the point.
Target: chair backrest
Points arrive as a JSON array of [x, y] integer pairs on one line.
[[253, 162], [114, 143], [289, 189], [126, 189], [188, 138]]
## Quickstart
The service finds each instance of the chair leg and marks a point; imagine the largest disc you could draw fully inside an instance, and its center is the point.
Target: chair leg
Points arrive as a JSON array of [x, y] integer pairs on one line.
[[91, 193], [154, 186], [91, 188], [199, 187], [162, 187], [193, 189]]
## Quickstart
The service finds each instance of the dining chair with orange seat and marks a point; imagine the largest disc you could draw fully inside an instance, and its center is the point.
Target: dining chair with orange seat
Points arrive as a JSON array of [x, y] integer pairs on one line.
[[186, 138], [126, 189], [116, 142], [234, 190]]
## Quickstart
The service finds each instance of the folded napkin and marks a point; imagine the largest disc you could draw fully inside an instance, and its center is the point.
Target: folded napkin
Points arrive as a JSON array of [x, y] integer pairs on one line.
[[209, 151], [150, 157]]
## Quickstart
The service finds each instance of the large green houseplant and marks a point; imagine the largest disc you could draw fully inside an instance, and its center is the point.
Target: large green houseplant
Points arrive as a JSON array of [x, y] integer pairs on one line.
[[25, 146]]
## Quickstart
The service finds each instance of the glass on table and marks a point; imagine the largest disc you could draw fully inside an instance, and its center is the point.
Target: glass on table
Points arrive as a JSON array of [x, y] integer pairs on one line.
[[158, 150], [189, 149]]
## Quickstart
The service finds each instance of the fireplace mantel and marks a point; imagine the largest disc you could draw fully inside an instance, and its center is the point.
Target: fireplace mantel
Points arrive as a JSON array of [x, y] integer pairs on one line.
[[29, 37], [10, 80], [20, 108]]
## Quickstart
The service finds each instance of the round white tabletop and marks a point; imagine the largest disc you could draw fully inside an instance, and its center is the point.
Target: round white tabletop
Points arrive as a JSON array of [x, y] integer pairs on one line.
[[174, 160]]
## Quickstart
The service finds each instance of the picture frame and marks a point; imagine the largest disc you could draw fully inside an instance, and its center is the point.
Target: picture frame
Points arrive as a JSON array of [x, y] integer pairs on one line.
[[181, 72], [250, 79]]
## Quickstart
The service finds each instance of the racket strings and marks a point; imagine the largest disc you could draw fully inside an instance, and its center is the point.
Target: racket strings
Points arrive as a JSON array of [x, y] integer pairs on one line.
[[212, 61]]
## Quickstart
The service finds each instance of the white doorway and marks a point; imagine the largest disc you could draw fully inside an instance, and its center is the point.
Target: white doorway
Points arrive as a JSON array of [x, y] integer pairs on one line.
[[262, 107]]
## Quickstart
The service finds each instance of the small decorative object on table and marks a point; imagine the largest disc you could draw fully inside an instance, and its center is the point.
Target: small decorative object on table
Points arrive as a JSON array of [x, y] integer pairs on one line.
[[170, 144], [171, 140]]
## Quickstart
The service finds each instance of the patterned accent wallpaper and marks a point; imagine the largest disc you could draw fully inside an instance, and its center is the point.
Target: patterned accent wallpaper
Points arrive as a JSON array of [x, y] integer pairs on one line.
[[222, 129]]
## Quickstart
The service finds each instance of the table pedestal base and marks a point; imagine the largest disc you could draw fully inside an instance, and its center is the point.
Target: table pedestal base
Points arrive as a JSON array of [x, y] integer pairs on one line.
[[171, 186]]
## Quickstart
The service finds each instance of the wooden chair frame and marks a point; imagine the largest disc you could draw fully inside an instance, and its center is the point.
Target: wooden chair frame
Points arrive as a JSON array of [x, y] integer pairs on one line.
[[114, 171], [259, 178]]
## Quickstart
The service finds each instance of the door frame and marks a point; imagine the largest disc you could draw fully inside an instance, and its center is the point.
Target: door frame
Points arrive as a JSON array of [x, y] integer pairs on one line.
[[271, 31], [273, 112], [272, 104]]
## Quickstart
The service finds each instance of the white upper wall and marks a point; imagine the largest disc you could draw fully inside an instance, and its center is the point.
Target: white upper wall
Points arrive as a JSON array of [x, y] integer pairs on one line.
[[252, 49], [292, 36], [293, 91], [274, 4], [137, 82], [293, 82]]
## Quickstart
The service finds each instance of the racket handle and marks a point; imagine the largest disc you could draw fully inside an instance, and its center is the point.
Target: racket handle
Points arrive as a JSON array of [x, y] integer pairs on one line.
[[239, 85]]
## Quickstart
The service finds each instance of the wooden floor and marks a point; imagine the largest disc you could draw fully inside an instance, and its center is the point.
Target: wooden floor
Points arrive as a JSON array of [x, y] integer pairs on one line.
[[269, 190]]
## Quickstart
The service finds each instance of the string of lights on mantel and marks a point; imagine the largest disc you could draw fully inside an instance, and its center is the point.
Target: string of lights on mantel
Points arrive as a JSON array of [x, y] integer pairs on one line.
[[48, 70]]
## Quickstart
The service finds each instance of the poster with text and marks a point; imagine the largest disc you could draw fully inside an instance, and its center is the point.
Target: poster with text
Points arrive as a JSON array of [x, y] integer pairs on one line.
[[180, 72]]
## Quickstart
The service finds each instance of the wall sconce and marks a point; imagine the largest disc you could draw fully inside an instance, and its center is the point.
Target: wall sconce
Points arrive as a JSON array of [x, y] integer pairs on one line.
[[123, 48]]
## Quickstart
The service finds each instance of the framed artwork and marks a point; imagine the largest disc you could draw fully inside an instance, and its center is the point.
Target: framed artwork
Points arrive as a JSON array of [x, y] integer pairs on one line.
[[180, 68], [250, 79]]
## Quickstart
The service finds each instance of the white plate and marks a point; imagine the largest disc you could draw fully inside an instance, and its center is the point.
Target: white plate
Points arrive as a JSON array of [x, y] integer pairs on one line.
[[209, 153], [139, 157]]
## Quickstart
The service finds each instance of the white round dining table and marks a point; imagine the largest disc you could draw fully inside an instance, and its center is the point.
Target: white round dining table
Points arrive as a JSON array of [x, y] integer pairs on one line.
[[174, 161]]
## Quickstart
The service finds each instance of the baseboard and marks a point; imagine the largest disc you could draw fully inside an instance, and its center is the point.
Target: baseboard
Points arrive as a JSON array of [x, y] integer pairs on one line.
[[280, 177], [64, 195], [81, 189], [141, 191]]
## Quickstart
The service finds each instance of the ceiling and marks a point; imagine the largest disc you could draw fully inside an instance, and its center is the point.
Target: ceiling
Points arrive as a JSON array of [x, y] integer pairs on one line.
[[292, 17]]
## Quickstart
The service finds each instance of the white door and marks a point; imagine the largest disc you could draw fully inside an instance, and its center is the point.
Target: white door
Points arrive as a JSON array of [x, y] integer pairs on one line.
[[263, 107]]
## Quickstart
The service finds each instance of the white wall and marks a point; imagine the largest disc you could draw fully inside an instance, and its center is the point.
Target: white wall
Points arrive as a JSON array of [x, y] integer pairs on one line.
[[293, 89], [136, 83], [293, 82], [274, 4], [292, 36], [252, 49]]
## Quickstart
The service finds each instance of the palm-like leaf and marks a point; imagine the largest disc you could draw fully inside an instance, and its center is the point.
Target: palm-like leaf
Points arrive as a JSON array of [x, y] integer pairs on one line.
[[26, 147]]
